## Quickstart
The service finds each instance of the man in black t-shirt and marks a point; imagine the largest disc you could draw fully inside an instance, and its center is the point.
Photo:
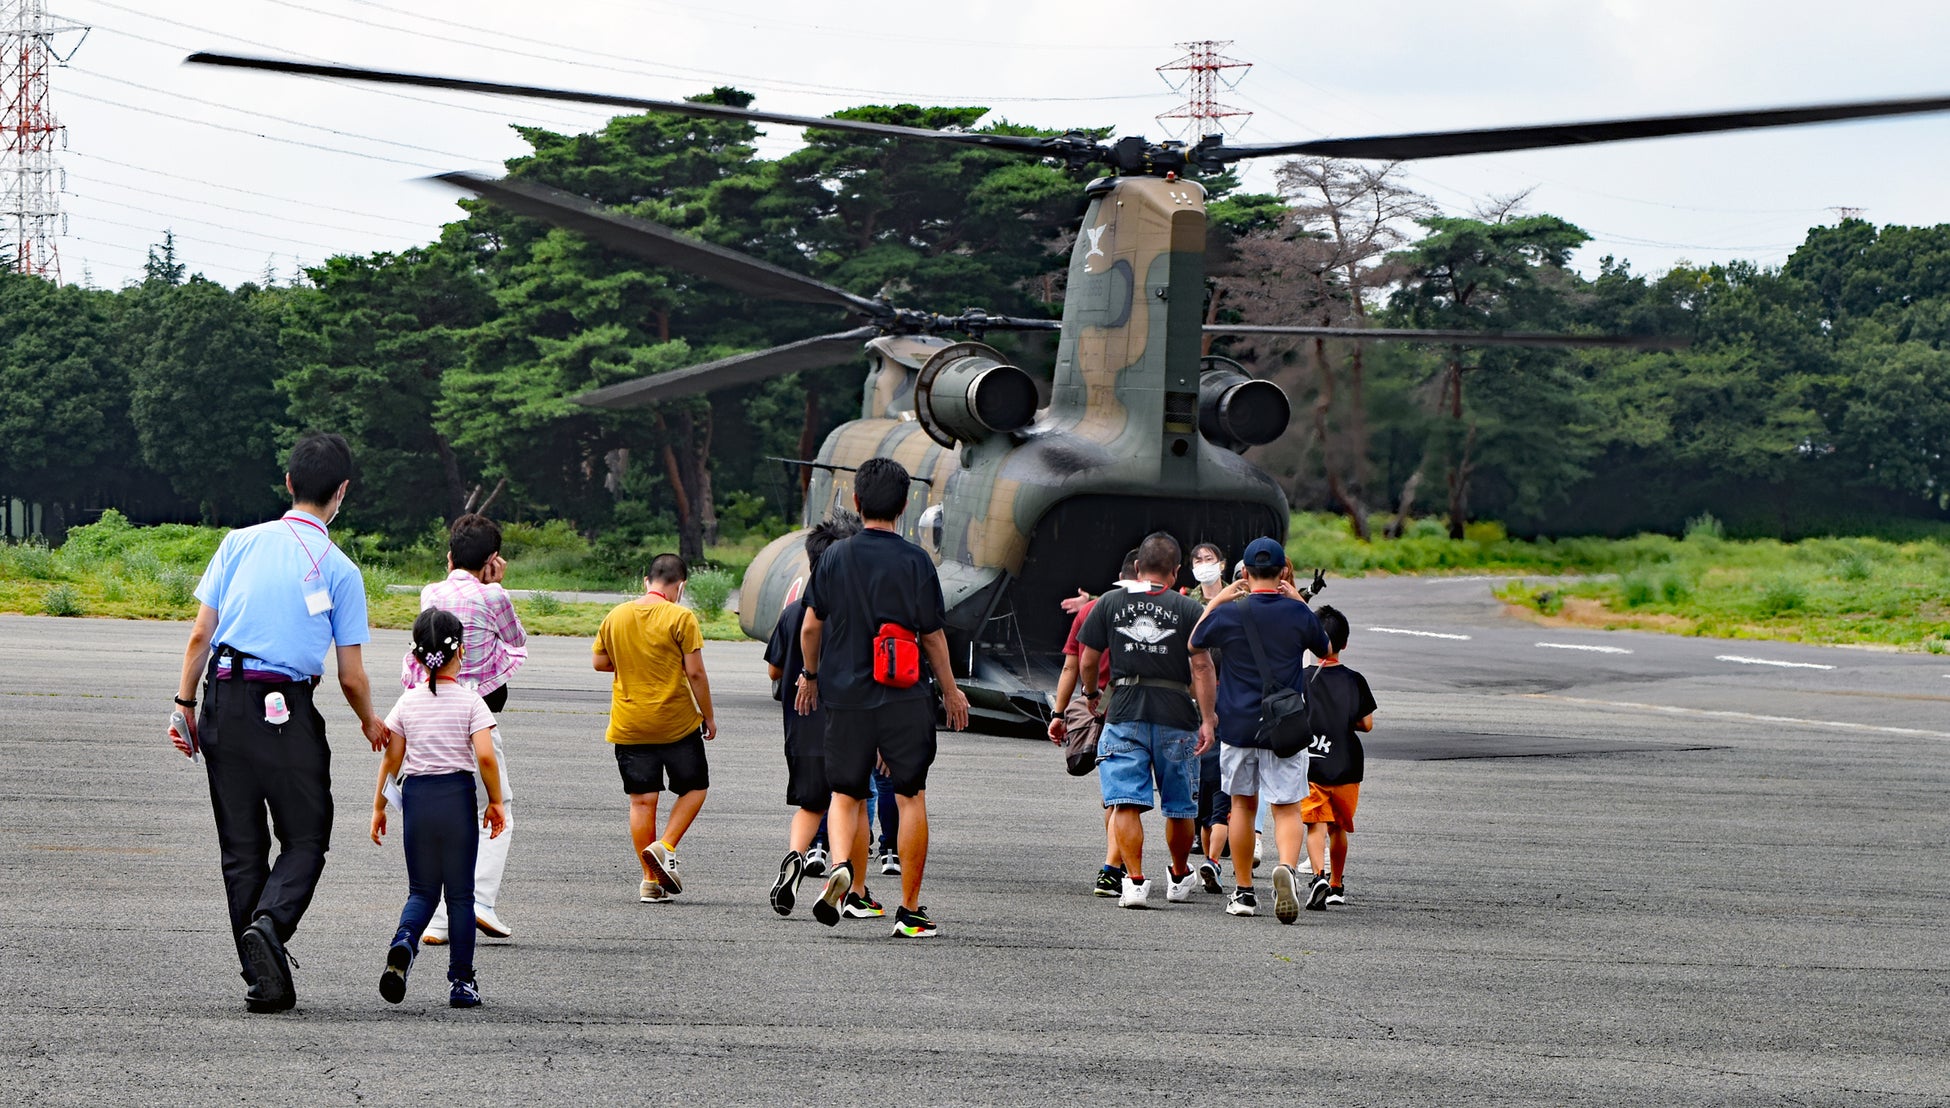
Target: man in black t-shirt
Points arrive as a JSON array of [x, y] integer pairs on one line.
[[1151, 727], [806, 789], [861, 585], [1339, 704]]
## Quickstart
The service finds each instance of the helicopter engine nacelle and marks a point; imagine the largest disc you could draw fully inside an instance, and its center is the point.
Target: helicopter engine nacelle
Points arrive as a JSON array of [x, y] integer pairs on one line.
[[1237, 411], [967, 392]]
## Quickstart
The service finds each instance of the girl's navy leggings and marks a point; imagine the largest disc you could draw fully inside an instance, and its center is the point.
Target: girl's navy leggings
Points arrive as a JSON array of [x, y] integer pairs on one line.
[[442, 840]]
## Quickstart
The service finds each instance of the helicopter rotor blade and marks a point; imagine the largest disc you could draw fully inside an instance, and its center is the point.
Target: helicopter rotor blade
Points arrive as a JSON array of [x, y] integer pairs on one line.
[[1020, 143], [739, 369], [1461, 338], [1447, 144], [657, 243]]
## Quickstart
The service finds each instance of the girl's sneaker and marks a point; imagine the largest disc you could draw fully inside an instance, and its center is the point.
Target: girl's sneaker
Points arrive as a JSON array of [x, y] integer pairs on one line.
[[392, 982], [1336, 895], [465, 993], [857, 906]]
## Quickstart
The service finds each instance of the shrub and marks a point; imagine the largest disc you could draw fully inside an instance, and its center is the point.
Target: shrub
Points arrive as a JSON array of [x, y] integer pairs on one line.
[[62, 600], [1487, 532], [1854, 566], [178, 587], [1675, 589], [544, 604], [1782, 594], [708, 591], [1638, 590], [114, 591], [30, 559], [143, 565], [1703, 527]]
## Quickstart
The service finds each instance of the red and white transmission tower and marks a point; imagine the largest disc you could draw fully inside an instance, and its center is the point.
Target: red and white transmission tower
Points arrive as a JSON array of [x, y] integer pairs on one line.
[[1204, 69], [29, 175]]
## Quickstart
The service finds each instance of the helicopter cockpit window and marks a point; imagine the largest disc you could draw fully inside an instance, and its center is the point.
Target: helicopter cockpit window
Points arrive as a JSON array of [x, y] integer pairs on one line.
[[931, 527]]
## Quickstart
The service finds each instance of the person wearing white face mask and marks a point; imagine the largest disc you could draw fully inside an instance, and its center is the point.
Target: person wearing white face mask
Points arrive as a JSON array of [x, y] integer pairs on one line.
[[1214, 806]]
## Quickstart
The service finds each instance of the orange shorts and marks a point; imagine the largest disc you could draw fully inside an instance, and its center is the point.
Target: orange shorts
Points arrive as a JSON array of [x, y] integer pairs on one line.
[[1331, 804]]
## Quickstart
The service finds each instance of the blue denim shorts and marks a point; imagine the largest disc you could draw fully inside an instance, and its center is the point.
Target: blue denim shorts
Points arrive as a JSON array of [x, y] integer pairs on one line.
[[1131, 755]]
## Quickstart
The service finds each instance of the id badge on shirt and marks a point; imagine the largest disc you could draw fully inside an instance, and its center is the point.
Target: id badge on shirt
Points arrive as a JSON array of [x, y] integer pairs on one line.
[[318, 603]]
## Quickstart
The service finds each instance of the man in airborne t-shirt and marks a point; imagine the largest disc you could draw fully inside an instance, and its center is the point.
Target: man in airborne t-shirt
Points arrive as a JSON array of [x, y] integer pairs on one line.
[[1150, 729]]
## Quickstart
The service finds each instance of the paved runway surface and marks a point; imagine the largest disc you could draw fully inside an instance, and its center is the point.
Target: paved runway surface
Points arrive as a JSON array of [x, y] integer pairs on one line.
[[1671, 871]]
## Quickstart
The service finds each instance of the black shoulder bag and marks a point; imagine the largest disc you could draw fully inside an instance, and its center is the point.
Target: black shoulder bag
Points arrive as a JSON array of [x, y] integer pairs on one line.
[[1282, 709]]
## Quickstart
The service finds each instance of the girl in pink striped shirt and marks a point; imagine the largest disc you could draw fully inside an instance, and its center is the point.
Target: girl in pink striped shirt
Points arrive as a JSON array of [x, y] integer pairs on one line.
[[437, 735]]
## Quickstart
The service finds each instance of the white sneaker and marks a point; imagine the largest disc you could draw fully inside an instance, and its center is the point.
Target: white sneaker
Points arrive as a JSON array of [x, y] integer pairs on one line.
[[490, 924], [434, 936], [1244, 902], [1137, 894], [1259, 850], [1286, 898], [816, 862], [890, 864], [1181, 889], [651, 893], [663, 866]]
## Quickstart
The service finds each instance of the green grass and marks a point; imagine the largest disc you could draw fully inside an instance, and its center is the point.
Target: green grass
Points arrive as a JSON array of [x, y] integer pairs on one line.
[[1840, 590]]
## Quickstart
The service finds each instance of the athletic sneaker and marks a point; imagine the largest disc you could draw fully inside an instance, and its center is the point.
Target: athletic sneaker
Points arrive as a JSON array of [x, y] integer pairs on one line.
[[1110, 881], [1317, 892], [816, 862], [392, 980], [1208, 875], [915, 924], [1180, 889], [1136, 894], [785, 888], [1286, 900], [489, 924], [651, 893], [465, 993], [663, 866], [434, 937], [862, 906], [827, 908], [890, 864], [1242, 903], [1336, 895]]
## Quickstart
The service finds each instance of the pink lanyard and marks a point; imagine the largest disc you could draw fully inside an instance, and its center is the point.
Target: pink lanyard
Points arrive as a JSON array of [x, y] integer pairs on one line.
[[316, 571]]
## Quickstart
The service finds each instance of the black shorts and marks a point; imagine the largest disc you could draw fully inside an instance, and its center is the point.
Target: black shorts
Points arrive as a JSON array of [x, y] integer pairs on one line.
[[1214, 806], [805, 782], [644, 766], [900, 734]]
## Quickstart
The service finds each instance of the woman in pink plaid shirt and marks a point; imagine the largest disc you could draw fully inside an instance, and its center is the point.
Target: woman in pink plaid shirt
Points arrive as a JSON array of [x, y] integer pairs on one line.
[[496, 646]]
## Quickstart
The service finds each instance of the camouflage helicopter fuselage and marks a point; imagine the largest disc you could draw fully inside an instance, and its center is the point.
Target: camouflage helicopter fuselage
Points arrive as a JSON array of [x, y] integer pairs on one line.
[[1017, 520]]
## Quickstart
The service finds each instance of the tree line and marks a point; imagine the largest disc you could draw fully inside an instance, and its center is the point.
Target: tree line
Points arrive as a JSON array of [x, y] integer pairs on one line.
[[1814, 396]]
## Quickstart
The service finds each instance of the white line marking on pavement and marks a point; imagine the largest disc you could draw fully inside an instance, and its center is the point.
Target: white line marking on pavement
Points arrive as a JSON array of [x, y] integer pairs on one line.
[[1581, 646], [1421, 634], [1668, 709], [1768, 662]]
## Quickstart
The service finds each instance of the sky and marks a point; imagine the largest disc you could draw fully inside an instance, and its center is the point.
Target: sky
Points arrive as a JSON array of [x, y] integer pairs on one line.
[[258, 174]]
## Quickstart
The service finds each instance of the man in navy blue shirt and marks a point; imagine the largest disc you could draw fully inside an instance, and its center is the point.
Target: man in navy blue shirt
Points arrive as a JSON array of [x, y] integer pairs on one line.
[[1247, 768], [275, 598]]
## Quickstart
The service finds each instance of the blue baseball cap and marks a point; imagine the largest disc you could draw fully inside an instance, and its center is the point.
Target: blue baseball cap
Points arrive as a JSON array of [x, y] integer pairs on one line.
[[1261, 553]]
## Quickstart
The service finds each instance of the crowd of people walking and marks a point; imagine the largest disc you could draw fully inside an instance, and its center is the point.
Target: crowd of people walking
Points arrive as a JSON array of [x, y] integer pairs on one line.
[[1200, 703]]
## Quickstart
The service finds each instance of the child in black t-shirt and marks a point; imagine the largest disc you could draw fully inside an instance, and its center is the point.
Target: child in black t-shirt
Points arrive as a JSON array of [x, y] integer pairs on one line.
[[806, 789], [1340, 704]]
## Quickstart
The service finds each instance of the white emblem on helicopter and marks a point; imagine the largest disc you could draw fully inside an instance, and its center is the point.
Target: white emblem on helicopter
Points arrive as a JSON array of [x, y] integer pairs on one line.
[[1146, 630], [1096, 238]]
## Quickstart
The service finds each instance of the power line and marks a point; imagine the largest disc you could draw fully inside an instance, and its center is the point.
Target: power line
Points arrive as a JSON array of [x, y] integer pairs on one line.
[[241, 211], [174, 217], [234, 188], [430, 166]]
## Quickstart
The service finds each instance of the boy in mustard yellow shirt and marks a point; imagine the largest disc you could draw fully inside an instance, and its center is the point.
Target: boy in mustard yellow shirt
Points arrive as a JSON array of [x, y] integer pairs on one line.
[[660, 716]]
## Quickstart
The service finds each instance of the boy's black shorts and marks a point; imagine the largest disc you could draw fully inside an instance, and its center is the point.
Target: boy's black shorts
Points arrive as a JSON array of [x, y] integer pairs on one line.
[[805, 782], [901, 734], [645, 766]]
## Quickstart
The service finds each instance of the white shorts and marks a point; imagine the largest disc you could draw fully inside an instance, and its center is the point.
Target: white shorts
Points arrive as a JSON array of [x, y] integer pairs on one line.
[[1253, 771]]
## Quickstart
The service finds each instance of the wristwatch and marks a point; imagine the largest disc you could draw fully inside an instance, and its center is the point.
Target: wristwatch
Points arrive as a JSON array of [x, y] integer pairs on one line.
[[808, 675], [181, 703]]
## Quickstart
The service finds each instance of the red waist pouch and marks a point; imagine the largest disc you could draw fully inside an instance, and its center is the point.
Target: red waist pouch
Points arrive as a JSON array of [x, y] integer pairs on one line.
[[896, 657]]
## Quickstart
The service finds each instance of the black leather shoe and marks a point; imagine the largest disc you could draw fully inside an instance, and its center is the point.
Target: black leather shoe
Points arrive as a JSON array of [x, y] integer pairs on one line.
[[273, 990]]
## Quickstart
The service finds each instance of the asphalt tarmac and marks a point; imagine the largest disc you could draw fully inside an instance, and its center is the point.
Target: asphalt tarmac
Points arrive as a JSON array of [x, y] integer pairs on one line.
[[1667, 871]]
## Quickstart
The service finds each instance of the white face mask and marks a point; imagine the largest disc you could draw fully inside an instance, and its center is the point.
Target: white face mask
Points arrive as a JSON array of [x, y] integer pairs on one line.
[[1206, 572]]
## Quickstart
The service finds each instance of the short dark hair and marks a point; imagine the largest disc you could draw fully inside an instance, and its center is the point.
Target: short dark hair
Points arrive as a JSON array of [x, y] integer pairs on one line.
[[842, 524], [1129, 566], [319, 464], [1218, 554], [1159, 553], [668, 567], [1264, 573], [880, 485], [473, 539], [1335, 624]]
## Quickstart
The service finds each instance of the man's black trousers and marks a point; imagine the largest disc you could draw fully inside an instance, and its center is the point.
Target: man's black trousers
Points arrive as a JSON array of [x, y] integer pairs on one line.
[[255, 768]]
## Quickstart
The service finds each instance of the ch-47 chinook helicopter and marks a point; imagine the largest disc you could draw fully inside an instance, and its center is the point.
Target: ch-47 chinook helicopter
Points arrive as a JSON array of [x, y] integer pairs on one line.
[[1019, 504]]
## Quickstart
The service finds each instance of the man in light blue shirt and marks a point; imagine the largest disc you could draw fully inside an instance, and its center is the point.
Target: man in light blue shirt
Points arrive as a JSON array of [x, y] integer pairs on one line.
[[275, 598]]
